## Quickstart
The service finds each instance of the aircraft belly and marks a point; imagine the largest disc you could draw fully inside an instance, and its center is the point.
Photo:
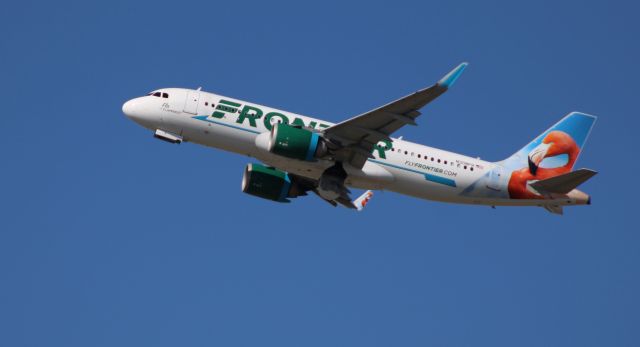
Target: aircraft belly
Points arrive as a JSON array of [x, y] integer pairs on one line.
[[415, 185], [431, 187]]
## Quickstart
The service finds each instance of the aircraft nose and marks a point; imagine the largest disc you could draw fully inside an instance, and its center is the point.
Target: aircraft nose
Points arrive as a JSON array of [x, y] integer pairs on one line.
[[138, 110], [128, 108]]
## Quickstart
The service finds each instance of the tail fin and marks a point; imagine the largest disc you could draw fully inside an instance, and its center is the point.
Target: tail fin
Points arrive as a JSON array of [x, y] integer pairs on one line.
[[556, 150]]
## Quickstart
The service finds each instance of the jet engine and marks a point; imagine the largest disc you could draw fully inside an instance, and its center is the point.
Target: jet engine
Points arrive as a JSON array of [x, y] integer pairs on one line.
[[269, 183], [296, 142]]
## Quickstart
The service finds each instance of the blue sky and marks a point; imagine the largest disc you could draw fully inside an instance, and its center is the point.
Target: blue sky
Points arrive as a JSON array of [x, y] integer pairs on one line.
[[110, 237]]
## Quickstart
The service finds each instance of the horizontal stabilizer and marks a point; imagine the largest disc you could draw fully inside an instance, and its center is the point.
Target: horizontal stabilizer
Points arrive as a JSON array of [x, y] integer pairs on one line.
[[357, 204], [565, 183], [363, 200]]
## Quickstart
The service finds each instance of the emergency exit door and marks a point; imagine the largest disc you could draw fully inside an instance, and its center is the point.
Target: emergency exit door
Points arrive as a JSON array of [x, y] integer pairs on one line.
[[192, 101]]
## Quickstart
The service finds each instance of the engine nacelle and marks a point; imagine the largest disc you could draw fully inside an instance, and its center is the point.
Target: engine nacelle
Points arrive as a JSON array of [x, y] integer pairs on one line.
[[267, 182], [296, 142]]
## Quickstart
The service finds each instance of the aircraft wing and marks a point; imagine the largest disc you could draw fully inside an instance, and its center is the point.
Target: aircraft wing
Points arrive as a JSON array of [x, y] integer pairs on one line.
[[358, 136]]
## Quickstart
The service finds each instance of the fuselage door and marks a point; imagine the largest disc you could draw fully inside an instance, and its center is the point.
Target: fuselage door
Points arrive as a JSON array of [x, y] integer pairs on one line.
[[191, 103]]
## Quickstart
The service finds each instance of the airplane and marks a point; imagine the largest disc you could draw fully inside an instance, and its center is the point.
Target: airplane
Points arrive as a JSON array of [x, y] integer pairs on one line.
[[299, 154]]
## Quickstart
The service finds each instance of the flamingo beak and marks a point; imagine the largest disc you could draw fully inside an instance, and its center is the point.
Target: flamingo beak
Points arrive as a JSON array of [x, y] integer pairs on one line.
[[536, 156]]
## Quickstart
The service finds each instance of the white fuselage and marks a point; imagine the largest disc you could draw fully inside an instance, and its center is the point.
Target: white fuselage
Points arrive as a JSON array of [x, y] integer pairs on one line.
[[407, 168]]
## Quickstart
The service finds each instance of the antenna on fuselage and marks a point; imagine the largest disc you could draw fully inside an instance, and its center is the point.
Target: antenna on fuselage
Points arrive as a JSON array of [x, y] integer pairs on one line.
[[199, 89]]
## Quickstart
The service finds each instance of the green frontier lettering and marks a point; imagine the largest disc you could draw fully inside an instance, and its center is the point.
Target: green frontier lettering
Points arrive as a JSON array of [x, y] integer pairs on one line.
[[298, 121], [284, 119], [225, 106], [267, 119], [247, 113], [312, 124], [382, 147], [252, 114]]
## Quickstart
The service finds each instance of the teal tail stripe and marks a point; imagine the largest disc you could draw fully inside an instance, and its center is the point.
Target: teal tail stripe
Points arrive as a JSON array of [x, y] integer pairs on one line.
[[441, 180], [429, 177]]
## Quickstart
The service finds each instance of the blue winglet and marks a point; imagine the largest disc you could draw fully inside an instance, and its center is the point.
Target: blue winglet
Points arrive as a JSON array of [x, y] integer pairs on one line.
[[448, 80]]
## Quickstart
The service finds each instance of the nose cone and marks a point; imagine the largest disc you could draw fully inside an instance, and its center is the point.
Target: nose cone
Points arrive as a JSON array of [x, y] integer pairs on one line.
[[139, 111], [129, 108]]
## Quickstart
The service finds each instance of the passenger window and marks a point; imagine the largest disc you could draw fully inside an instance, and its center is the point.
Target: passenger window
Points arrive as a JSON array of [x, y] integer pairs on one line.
[[438, 160], [471, 168], [419, 156], [405, 152]]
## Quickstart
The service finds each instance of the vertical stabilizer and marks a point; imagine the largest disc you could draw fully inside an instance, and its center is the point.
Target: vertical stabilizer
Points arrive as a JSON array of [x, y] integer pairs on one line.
[[552, 154], [558, 147]]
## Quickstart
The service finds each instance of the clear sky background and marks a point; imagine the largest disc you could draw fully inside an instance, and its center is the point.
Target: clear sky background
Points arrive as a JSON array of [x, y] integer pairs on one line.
[[109, 237]]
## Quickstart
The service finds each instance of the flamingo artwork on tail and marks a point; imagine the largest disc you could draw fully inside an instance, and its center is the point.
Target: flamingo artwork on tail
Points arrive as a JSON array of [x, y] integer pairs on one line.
[[543, 169], [555, 143]]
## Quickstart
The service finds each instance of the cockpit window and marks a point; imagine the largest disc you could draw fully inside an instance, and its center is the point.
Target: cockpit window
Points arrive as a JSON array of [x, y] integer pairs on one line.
[[159, 94]]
